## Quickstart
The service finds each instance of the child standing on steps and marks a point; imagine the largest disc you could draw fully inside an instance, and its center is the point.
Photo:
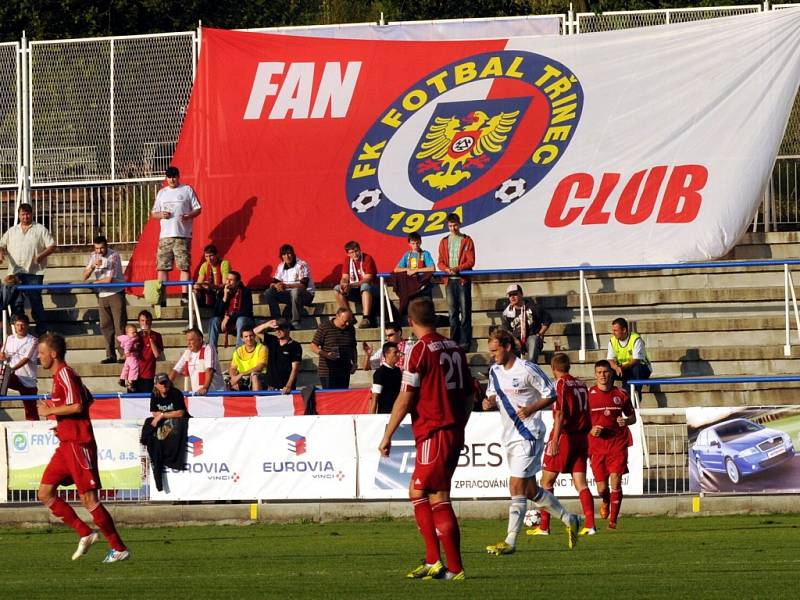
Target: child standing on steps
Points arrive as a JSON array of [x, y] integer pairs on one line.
[[131, 346]]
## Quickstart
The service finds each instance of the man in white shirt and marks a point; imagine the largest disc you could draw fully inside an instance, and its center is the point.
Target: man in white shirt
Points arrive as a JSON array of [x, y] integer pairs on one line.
[[200, 364], [106, 266], [292, 284], [27, 246], [519, 390], [176, 206], [19, 354]]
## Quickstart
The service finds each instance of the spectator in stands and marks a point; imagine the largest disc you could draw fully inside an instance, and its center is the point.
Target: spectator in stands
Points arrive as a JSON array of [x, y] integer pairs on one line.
[[200, 364], [627, 354], [359, 274], [211, 276], [373, 358], [27, 246], [19, 354], [248, 370], [106, 266], [233, 310], [284, 355], [457, 254], [165, 433], [292, 284], [152, 347], [131, 345], [176, 206], [527, 321], [413, 274], [386, 381], [335, 344]]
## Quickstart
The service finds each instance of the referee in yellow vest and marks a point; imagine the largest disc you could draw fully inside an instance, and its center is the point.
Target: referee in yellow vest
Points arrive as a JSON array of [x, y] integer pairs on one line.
[[627, 354]]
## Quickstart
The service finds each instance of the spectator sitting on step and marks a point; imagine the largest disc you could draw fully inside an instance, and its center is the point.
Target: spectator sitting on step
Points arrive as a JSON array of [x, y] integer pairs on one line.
[[199, 363], [357, 282], [152, 347], [233, 308], [27, 246], [284, 355], [248, 370], [19, 354], [211, 276], [373, 358], [413, 274], [292, 284], [106, 266], [627, 355], [131, 347], [527, 321]]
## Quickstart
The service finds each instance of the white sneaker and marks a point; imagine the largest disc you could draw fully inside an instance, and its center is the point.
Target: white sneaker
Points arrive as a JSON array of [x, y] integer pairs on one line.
[[83, 545], [116, 556]]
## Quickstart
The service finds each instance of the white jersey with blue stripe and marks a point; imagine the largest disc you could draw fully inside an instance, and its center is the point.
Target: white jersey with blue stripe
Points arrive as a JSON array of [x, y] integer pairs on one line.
[[522, 384]]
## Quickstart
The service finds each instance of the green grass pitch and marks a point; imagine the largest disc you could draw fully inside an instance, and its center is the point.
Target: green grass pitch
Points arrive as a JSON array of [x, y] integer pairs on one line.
[[664, 557]]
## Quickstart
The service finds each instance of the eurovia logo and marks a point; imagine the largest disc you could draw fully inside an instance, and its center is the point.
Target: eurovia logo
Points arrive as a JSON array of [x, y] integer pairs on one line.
[[297, 443], [195, 445], [476, 136]]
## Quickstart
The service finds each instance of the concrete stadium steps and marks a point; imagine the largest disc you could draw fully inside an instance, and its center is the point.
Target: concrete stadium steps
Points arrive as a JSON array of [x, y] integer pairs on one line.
[[695, 322]]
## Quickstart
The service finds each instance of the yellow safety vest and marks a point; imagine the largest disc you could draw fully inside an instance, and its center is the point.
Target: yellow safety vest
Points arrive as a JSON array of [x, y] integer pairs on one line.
[[624, 354]]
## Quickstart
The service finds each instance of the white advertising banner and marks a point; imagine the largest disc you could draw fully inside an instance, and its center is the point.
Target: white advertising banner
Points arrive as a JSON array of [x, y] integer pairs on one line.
[[31, 444], [299, 458], [3, 465], [482, 469]]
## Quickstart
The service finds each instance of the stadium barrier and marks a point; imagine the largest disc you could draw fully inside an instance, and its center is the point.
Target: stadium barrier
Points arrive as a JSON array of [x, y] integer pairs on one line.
[[586, 312]]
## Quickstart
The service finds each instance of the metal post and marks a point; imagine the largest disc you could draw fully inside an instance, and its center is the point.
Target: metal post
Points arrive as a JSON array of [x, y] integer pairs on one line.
[[381, 295], [582, 351], [571, 25], [787, 348], [111, 106], [794, 304], [585, 290], [27, 153], [5, 326]]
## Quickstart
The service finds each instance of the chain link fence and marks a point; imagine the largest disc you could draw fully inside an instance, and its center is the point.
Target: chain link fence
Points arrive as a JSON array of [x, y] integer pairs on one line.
[[610, 21], [10, 122], [107, 109]]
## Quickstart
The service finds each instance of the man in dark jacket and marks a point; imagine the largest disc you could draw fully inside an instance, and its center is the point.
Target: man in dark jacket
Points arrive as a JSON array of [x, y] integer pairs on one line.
[[234, 308]]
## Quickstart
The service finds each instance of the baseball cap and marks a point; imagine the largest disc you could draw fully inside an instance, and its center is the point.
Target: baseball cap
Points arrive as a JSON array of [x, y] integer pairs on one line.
[[284, 324], [161, 378], [514, 288], [172, 172]]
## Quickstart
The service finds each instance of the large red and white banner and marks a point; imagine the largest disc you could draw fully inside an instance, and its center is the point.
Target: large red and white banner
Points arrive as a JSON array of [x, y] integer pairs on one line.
[[638, 146]]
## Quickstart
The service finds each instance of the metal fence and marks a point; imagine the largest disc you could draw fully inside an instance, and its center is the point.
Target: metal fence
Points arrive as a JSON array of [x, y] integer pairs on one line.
[[86, 115], [668, 453]]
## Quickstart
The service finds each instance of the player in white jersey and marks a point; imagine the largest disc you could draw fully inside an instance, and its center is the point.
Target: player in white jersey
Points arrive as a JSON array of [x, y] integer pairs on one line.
[[520, 390]]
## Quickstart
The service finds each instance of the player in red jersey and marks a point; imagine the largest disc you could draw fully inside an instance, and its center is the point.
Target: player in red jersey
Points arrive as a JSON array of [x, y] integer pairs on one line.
[[568, 447], [75, 459], [609, 438], [438, 391]]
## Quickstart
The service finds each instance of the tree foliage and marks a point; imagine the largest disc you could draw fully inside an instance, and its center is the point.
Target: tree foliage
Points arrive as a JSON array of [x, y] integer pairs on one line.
[[59, 19]]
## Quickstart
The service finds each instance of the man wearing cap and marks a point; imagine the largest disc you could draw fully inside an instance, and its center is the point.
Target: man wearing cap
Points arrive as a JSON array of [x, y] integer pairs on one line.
[[527, 321], [285, 355], [176, 206], [166, 401]]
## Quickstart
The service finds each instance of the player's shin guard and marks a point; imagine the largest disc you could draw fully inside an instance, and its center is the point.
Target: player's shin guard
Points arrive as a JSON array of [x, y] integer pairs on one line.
[[616, 504], [424, 517], [544, 525], [587, 504], [64, 511], [546, 501], [449, 534], [105, 524], [516, 514]]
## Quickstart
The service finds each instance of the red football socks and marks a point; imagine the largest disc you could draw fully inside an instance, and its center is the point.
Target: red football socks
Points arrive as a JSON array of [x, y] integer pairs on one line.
[[105, 524], [424, 516], [449, 534], [616, 504], [587, 504], [544, 516], [68, 516]]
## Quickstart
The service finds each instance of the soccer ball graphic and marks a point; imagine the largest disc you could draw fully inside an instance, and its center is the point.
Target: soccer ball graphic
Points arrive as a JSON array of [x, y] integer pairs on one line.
[[510, 190], [532, 518], [365, 200]]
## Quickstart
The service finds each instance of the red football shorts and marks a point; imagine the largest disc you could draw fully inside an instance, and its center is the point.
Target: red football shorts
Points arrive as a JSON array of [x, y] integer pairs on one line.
[[73, 463], [614, 461], [437, 458], [573, 448]]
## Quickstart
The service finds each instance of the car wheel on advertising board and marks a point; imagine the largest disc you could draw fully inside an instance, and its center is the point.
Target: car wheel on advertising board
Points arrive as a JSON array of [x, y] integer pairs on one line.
[[732, 470]]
